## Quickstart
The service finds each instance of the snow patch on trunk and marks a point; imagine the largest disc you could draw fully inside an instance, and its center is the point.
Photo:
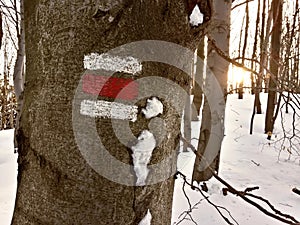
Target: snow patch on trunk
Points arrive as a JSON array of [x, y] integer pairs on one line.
[[141, 156], [105, 109], [154, 108], [196, 18], [147, 219], [107, 62]]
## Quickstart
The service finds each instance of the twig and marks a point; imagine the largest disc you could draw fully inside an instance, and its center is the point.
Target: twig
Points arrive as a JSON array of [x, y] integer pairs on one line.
[[242, 194], [295, 190], [207, 199], [259, 207], [240, 4], [257, 164], [188, 213]]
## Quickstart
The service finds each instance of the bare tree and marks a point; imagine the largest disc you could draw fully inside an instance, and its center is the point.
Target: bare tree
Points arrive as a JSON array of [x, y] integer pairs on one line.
[[274, 64], [219, 66]]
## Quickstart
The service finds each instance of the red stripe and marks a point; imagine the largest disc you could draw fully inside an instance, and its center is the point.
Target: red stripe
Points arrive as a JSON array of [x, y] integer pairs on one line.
[[110, 86]]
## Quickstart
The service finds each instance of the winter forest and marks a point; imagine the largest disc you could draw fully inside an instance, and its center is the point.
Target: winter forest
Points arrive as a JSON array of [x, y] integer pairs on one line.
[[161, 112]]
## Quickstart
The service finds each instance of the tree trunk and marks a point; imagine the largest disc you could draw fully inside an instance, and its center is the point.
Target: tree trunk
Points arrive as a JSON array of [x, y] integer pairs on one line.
[[60, 179], [19, 76], [274, 64], [264, 61], [1, 30], [187, 114], [256, 86], [205, 162], [197, 91], [19, 64], [187, 126]]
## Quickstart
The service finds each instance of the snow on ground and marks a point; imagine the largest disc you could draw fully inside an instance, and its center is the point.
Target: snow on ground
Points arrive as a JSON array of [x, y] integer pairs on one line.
[[246, 161], [8, 176]]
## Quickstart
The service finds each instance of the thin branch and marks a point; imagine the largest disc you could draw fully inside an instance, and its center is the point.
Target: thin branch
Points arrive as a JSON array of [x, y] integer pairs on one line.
[[259, 207], [291, 220], [297, 191], [240, 4], [229, 59], [206, 198], [10, 14], [10, 34], [8, 17], [272, 207], [6, 6], [188, 212]]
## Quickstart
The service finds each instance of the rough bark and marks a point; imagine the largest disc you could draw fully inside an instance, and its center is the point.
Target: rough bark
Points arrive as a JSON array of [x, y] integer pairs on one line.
[[55, 183], [219, 67]]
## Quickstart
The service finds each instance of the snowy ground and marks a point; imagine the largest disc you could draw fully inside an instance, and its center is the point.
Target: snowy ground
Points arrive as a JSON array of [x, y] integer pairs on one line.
[[246, 161], [8, 176]]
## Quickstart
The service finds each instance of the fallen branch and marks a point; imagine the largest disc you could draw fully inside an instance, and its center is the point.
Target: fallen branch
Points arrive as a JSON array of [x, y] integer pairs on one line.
[[186, 215], [257, 164], [297, 191], [218, 208], [276, 214]]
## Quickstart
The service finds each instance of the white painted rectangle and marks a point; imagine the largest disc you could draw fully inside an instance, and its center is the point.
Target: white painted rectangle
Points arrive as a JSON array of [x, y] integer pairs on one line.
[[105, 109], [128, 64]]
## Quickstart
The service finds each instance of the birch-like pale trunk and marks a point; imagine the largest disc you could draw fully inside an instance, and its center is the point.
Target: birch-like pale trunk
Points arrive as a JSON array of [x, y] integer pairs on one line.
[[18, 75], [197, 91], [219, 67]]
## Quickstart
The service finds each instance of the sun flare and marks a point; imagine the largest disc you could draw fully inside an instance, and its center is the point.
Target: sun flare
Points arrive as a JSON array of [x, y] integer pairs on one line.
[[238, 75]]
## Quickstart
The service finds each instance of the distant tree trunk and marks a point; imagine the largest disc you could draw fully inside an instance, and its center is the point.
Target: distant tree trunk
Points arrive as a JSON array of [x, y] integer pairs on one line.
[[274, 64], [1, 29], [265, 44], [219, 66], [262, 46], [19, 69], [241, 84], [246, 32], [197, 91], [19, 64], [1, 98], [255, 85], [288, 58], [4, 103], [187, 126], [56, 185]]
